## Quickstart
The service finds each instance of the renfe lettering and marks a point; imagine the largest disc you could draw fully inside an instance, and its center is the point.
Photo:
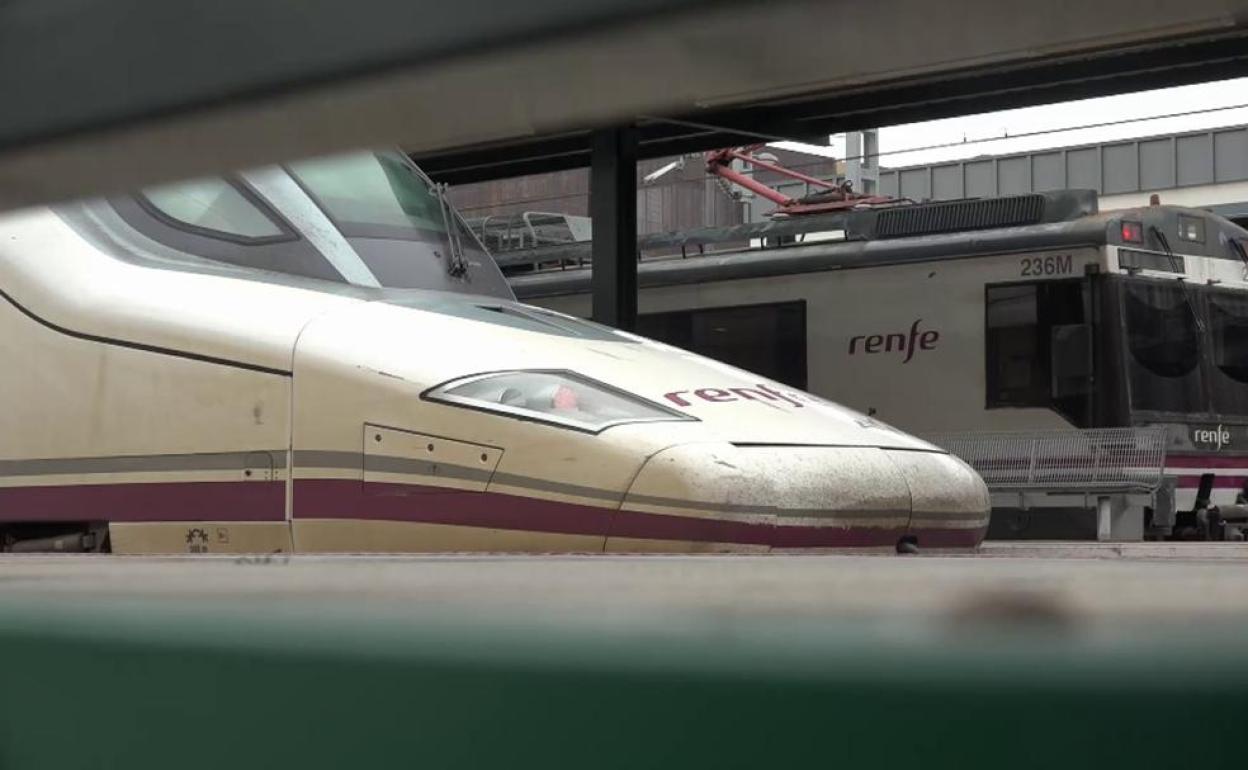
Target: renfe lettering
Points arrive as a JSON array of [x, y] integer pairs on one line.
[[714, 394], [724, 395], [1218, 436], [902, 344], [675, 397]]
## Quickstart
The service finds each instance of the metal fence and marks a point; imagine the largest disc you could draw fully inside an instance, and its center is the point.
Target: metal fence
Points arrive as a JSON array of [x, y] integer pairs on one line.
[[1098, 460]]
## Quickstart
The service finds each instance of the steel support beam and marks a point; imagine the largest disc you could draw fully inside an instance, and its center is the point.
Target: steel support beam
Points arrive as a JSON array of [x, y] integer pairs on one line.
[[903, 100], [613, 207], [504, 75]]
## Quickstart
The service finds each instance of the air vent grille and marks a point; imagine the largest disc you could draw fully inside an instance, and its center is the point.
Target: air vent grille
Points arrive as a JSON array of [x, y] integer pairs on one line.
[[954, 216]]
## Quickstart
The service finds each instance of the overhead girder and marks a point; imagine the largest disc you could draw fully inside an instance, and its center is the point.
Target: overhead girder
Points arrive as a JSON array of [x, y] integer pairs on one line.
[[103, 95], [813, 117]]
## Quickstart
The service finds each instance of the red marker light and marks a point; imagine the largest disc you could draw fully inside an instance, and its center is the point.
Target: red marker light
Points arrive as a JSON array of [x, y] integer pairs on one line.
[[1132, 232], [564, 398]]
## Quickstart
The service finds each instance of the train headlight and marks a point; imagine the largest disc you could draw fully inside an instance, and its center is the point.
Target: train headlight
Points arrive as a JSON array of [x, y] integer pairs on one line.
[[552, 396]]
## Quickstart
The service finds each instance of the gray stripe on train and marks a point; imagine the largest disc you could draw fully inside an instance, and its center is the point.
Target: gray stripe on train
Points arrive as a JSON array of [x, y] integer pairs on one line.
[[336, 460], [208, 461]]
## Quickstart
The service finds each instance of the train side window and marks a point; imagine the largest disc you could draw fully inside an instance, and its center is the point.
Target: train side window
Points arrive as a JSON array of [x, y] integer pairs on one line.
[[218, 221], [1039, 347], [767, 339], [1015, 377], [212, 207]]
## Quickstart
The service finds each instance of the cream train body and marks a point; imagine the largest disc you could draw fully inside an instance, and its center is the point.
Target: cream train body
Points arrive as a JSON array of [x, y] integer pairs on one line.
[[181, 376]]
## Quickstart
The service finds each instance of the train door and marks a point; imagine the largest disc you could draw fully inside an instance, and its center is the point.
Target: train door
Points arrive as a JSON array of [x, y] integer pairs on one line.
[[1041, 347]]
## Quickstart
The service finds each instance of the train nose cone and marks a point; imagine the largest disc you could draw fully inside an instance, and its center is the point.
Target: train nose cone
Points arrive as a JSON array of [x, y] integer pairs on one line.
[[738, 497], [949, 502]]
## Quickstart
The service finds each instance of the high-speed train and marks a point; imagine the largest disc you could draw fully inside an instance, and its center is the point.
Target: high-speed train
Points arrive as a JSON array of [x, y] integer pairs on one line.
[[321, 357], [1027, 314]]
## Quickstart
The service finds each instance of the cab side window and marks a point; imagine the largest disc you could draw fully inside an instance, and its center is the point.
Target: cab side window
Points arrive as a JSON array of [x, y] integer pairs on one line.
[[212, 207], [1039, 347], [222, 220]]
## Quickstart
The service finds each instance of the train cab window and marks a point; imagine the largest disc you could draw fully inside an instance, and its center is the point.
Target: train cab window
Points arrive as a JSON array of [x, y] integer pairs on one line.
[[1039, 347], [1191, 229], [372, 195], [212, 207], [1228, 332], [1014, 374], [403, 229], [1164, 346], [767, 339], [365, 219], [219, 220]]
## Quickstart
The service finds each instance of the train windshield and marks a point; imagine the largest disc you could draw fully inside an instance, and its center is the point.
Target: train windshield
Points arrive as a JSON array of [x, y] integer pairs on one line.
[[1099, 351], [1228, 331], [374, 195], [1186, 348], [1164, 342], [364, 219]]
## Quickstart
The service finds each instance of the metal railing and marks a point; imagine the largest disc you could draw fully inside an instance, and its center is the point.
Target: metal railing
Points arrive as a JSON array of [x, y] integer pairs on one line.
[[1097, 460], [528, 232]]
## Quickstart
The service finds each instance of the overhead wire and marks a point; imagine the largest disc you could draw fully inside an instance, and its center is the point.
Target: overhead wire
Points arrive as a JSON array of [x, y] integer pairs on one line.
[[771, 138], [1049, 131]]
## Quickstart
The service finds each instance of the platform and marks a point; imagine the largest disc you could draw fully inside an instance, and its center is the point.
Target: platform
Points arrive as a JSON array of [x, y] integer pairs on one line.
[[1090, 582], [1049, 654]]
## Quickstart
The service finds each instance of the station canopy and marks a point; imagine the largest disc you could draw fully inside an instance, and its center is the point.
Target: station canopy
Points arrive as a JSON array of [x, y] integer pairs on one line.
[[104, 95]]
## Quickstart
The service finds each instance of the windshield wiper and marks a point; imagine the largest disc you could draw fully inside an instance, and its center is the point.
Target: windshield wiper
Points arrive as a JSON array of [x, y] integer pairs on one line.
[[1239, 249], [456, 265], [1176, 266]]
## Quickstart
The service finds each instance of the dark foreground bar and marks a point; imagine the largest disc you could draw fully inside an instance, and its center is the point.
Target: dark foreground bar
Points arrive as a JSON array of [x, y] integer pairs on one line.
[[677, 662]]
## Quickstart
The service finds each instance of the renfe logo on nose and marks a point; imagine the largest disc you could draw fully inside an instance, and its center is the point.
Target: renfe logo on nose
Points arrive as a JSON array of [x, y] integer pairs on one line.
[[723, 395], [895, 343]]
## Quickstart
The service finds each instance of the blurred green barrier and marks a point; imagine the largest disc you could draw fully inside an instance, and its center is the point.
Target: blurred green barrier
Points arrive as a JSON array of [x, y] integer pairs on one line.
[[267, 683]]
